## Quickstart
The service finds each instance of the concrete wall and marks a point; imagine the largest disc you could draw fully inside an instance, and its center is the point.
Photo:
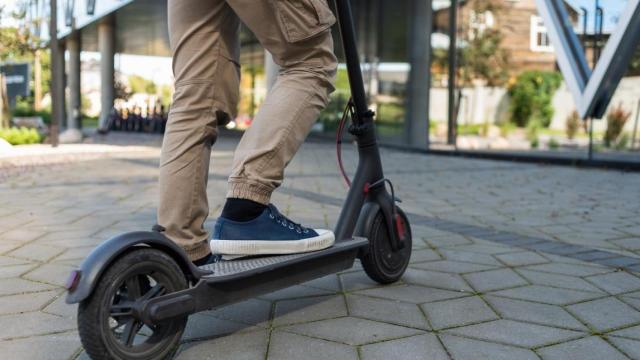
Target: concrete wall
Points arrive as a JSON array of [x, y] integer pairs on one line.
[[480, 104]]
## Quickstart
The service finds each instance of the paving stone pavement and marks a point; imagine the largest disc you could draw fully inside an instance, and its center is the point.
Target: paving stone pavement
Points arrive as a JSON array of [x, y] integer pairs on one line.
[[510, 261]]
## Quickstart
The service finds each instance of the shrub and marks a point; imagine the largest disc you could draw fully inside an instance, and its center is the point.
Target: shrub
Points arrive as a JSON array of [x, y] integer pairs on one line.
[[623, 142], [531, 96], [572, 125], [506, 128], [616, 119], [553, 144], [470, 129], [24, 107], [20, 136], [535, 143]]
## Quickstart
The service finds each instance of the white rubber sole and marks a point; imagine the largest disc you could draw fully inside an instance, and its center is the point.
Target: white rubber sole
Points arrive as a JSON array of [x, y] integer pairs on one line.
[[324, 240]]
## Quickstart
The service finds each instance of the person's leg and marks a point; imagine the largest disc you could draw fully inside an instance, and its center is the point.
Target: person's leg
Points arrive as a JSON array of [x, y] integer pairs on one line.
[[204, 42], [298, 36]]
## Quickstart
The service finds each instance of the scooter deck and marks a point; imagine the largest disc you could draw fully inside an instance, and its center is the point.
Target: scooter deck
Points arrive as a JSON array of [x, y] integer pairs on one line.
[[237, 280], [232, 269]]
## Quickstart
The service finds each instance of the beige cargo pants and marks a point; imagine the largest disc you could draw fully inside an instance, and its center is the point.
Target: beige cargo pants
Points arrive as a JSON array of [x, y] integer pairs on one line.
[[204, 37]]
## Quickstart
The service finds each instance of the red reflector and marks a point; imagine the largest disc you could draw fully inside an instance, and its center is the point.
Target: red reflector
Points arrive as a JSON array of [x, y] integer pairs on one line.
[[72, 280], [400, 227]]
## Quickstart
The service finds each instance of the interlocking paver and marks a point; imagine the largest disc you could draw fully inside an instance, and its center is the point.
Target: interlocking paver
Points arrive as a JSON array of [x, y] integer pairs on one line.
[[389, 311], [417, 347], [9, 261], [48, 347], [570, 269], [557, 280], [36, 252], [295, 292], [18, 286], [411, 293], [516, 333], [25, 302], [436, 279], [632, 243], [457, 267], [238, 346], [472, 219], [630, 332], [356, 280], [483, 281], [329, 282], [522, 258], [544, 314], [464, 348], [469, 256], [288, 346], [50, 273], [352, 331], [202, 326], [458, 312], [590, 348], [424, 255], [548, 295], [32, 323], [309, 309], [252, 312], [605, 314], [634, 302], [616, 283], [630, 347], [60, 307], [7, 272]]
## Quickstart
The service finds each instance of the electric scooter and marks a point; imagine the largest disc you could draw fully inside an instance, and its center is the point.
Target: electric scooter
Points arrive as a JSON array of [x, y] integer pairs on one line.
[[136, 290]]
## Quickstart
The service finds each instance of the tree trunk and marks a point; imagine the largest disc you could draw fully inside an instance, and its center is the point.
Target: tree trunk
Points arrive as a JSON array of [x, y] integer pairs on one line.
[[37, 83], [4, 104]]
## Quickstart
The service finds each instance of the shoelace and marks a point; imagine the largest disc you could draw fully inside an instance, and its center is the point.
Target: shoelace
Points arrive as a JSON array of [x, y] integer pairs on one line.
[[286, 222]]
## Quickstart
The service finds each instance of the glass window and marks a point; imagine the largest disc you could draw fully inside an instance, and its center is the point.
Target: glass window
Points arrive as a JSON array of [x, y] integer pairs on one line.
[[539, 38]]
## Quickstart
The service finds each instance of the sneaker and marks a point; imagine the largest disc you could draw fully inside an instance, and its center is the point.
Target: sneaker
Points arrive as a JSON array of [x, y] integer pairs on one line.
[[270, 233]]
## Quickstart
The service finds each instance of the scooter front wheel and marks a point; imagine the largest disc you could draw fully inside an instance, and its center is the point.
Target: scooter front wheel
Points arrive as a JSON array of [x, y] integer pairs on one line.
[[381, 263], [108, 325]]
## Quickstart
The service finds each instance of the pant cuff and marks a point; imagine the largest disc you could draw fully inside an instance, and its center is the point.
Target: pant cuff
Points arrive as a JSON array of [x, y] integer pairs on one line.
[[251, 191], [198, 251]]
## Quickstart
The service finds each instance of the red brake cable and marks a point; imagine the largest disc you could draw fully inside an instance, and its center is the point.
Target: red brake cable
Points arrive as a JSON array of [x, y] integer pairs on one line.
[[348, 112]]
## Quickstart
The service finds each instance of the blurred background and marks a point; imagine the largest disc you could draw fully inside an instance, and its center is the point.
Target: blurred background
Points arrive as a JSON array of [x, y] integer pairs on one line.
[[467, 76]]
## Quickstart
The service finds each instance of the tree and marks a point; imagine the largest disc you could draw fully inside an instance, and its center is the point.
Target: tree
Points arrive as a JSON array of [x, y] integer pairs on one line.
[[140, 85], [20, 43], [482, 57]]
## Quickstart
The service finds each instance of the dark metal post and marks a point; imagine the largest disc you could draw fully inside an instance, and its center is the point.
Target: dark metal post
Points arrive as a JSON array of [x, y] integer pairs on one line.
[[590, 156], [635, 127], [419, 83], [57, 75], [585, 22], [453, 27], [598, 21]]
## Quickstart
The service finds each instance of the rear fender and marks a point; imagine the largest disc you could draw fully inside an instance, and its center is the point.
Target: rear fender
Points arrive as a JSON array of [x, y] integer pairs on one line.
[[94, 265]]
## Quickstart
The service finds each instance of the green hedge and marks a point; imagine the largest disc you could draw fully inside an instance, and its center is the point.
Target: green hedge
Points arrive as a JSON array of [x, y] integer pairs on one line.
[[24, 108], [20, 136]]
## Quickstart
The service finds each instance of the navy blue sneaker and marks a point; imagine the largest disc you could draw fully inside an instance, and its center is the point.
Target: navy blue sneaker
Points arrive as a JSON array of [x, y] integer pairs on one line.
[[270, 233]]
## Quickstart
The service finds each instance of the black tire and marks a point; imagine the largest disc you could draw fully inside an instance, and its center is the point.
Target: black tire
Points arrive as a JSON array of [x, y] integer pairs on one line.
[[381, 263], [139, 273]]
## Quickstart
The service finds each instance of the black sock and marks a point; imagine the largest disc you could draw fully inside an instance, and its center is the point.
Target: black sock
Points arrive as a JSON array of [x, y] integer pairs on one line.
[[204, 261], [241, 209]]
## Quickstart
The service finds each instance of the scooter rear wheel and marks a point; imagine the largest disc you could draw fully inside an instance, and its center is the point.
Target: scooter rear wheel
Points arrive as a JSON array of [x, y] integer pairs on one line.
[[381, 263], [107, 324]]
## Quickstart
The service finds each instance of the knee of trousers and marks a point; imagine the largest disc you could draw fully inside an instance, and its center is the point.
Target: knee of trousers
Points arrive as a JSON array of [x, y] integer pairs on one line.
[[310, 76]]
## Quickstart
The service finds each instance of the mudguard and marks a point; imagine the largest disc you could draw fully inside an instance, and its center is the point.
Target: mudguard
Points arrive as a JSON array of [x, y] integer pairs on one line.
[[102, 256], [365, 221]]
